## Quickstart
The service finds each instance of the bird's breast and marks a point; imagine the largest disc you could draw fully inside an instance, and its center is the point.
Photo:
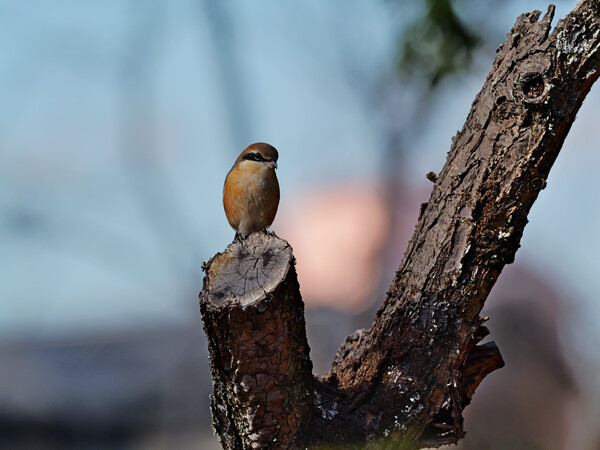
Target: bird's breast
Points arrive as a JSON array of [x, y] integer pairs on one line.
[[251, 198]]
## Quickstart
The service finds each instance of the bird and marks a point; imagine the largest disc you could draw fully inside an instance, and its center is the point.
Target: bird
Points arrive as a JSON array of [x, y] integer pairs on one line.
[[251, 190]]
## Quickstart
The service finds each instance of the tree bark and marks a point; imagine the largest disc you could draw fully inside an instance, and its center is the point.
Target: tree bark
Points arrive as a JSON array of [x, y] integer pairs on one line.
[[406, 380], [259, 357]]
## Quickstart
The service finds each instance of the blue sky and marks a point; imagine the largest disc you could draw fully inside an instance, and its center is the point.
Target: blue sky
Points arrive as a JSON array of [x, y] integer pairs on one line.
[[119, 121]]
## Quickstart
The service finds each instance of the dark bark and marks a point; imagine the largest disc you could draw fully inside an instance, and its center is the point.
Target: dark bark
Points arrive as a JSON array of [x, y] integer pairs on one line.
[[259, 357], [407, 379]]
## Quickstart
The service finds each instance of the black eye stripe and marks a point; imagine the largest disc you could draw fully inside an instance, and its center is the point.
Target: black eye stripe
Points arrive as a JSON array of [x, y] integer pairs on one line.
[[254, 156]]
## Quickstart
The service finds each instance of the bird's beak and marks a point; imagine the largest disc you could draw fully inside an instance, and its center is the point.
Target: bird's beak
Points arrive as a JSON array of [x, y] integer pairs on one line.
[[273, 164]]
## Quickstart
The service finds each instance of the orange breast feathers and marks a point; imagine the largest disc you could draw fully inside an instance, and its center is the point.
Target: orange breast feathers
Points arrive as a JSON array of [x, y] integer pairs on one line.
[[250, 197]]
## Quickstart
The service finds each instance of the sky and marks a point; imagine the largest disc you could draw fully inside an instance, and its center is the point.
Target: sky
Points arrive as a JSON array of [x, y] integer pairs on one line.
[[119, 121]]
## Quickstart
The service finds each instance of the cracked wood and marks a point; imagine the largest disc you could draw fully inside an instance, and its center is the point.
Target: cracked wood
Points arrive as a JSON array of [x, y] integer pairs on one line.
[[405, 381]]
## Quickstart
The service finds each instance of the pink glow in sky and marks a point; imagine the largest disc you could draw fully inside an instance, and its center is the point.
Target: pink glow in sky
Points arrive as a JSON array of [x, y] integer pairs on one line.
[[337, 233]]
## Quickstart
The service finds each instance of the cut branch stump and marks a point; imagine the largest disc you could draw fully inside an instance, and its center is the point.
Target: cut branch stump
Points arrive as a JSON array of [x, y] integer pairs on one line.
[[259, 356]]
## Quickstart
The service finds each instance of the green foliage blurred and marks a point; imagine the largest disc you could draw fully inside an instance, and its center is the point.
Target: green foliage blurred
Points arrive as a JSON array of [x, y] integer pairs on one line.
[[437, 44]]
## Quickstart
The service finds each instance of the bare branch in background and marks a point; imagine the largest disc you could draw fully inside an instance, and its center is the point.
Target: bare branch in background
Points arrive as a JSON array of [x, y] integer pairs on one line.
[[145, 173], [230, 72]]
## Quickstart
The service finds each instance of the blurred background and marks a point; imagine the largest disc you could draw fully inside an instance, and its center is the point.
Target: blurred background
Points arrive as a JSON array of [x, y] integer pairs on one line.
[[118, 123]]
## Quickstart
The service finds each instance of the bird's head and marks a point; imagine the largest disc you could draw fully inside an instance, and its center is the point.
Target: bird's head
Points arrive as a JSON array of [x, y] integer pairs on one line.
[[259, 154]]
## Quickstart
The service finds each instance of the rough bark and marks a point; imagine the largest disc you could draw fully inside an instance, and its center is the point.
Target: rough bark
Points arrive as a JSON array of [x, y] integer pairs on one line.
[[405, 381], [259, 357]]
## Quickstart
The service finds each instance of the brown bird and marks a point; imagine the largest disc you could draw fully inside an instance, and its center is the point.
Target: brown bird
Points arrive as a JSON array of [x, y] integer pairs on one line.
[[251, 190]]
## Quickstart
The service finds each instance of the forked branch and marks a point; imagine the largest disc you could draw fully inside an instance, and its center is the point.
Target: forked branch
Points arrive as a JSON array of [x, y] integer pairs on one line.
[[408, 377]]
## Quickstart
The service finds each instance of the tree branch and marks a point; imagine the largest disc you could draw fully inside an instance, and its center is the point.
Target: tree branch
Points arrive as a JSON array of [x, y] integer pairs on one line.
[[259, 357], [408, 377]]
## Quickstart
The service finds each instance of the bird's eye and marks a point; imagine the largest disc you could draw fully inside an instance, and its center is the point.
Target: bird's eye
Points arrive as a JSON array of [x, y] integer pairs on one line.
[[254, 156]]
